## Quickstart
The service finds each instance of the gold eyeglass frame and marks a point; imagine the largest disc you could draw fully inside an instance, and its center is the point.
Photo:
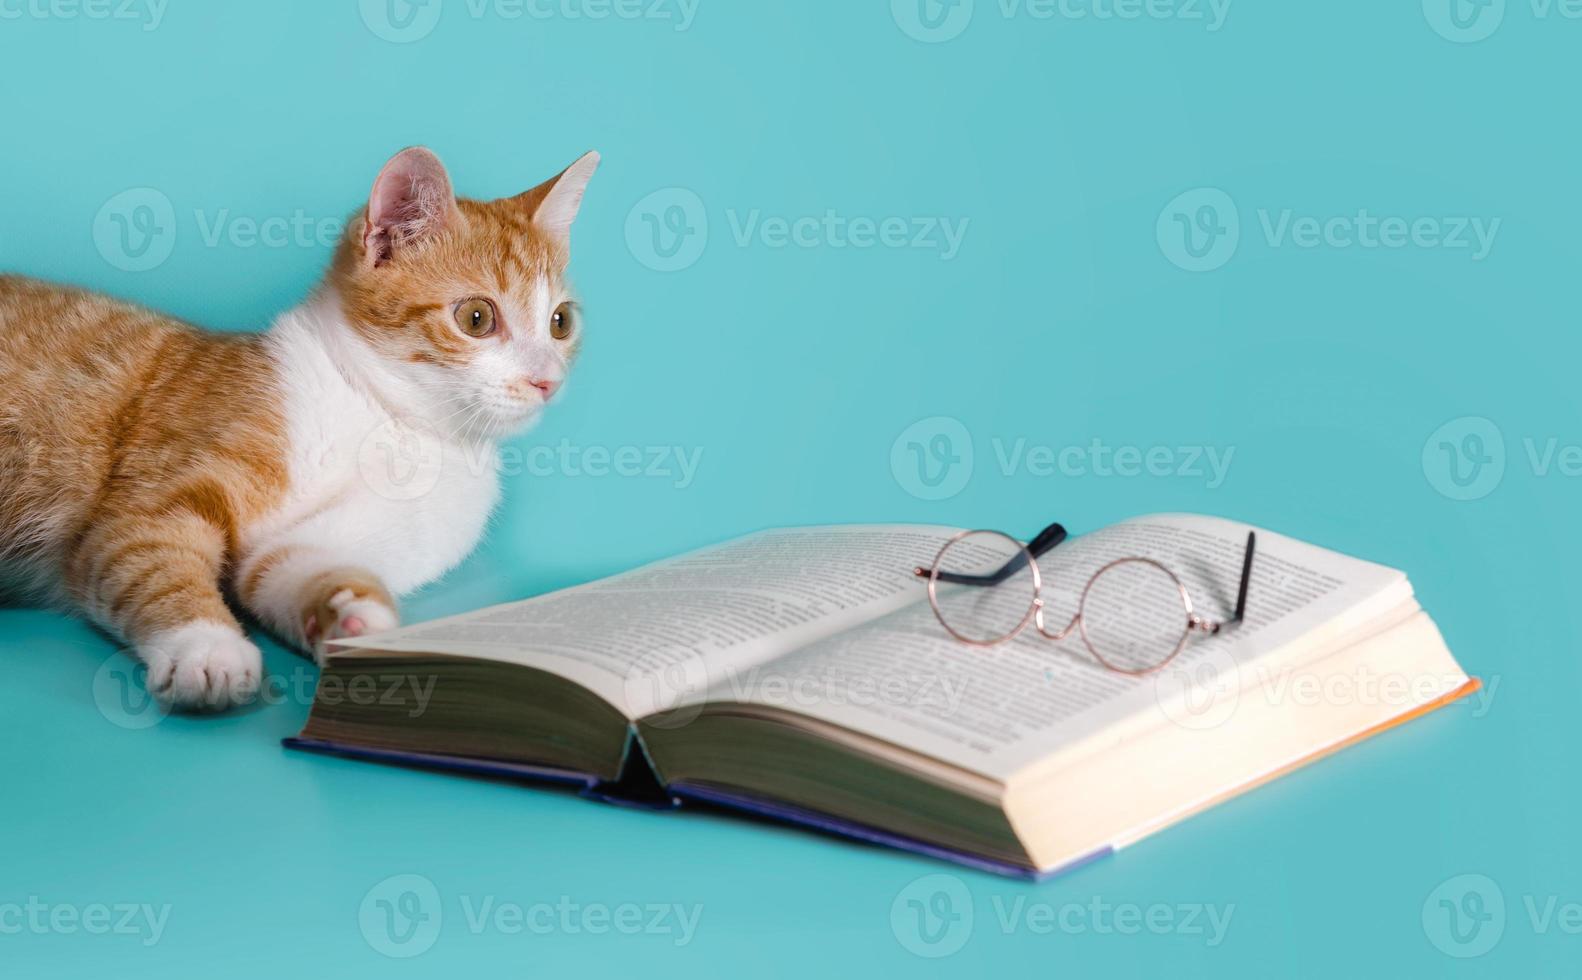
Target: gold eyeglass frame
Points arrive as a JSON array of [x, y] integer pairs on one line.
[[1047, 540]]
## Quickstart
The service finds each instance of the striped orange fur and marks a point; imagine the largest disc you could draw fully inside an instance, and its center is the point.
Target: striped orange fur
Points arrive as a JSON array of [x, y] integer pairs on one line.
[[149, 469]]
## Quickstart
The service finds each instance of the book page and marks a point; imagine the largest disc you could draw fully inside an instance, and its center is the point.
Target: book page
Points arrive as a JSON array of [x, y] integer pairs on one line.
[[660, 635], [992, 710]]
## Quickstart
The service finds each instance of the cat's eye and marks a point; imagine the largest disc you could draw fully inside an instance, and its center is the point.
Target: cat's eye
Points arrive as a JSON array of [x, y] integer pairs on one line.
[[563, 321], [475, 317]]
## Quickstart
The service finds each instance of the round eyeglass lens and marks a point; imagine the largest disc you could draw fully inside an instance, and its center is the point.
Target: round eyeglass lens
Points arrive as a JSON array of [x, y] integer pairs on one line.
[[983, 587], [1134, 616]]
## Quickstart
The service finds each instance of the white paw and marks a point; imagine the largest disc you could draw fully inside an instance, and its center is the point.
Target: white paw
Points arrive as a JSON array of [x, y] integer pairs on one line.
[[205, 665], [345, 615]]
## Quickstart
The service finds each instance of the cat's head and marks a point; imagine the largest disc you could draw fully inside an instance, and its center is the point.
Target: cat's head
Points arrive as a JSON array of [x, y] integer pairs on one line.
[[464, 304]]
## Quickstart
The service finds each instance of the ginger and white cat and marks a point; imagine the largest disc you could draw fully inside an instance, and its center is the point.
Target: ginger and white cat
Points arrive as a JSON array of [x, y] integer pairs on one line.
[[148, 468]]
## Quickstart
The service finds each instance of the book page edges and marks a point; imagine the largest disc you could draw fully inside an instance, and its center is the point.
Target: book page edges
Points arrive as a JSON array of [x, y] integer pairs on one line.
[[1472, 686], [1165, 782]]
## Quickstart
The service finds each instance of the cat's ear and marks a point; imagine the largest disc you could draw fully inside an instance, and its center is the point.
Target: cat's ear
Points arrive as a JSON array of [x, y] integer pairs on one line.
[[554, 203], [411, 200]]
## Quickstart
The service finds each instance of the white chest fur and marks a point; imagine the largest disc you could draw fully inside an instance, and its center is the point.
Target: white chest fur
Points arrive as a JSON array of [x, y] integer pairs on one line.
[[381, 490]]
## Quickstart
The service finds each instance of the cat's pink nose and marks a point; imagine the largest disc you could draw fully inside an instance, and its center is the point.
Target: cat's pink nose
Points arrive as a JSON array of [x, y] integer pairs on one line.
[[548, 388]]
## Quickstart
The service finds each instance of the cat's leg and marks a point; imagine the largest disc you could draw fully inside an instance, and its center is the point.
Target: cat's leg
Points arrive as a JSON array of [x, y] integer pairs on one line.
[[154, 582], [310, 596]]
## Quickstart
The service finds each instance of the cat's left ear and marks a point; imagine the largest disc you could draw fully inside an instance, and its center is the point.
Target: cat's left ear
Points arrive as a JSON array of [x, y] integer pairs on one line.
[[554, 203]]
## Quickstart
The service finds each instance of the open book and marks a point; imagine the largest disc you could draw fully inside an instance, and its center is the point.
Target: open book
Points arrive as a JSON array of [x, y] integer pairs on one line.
[[800, 673]]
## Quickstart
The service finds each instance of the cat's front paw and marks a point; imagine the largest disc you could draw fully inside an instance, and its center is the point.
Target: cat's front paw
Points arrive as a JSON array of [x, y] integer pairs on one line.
[[202, 666], [346, 613]]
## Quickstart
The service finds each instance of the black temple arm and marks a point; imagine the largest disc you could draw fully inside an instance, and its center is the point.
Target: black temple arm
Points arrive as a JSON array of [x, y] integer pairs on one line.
[[1246, 578], [1046, 539], [1043, 542]]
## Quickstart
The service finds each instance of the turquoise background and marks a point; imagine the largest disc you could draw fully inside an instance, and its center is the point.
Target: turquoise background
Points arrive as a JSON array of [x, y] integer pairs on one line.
[[1334, 376]]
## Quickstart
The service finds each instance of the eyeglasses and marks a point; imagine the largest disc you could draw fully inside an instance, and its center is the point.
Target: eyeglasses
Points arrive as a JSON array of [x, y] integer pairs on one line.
[[1134, 615]]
